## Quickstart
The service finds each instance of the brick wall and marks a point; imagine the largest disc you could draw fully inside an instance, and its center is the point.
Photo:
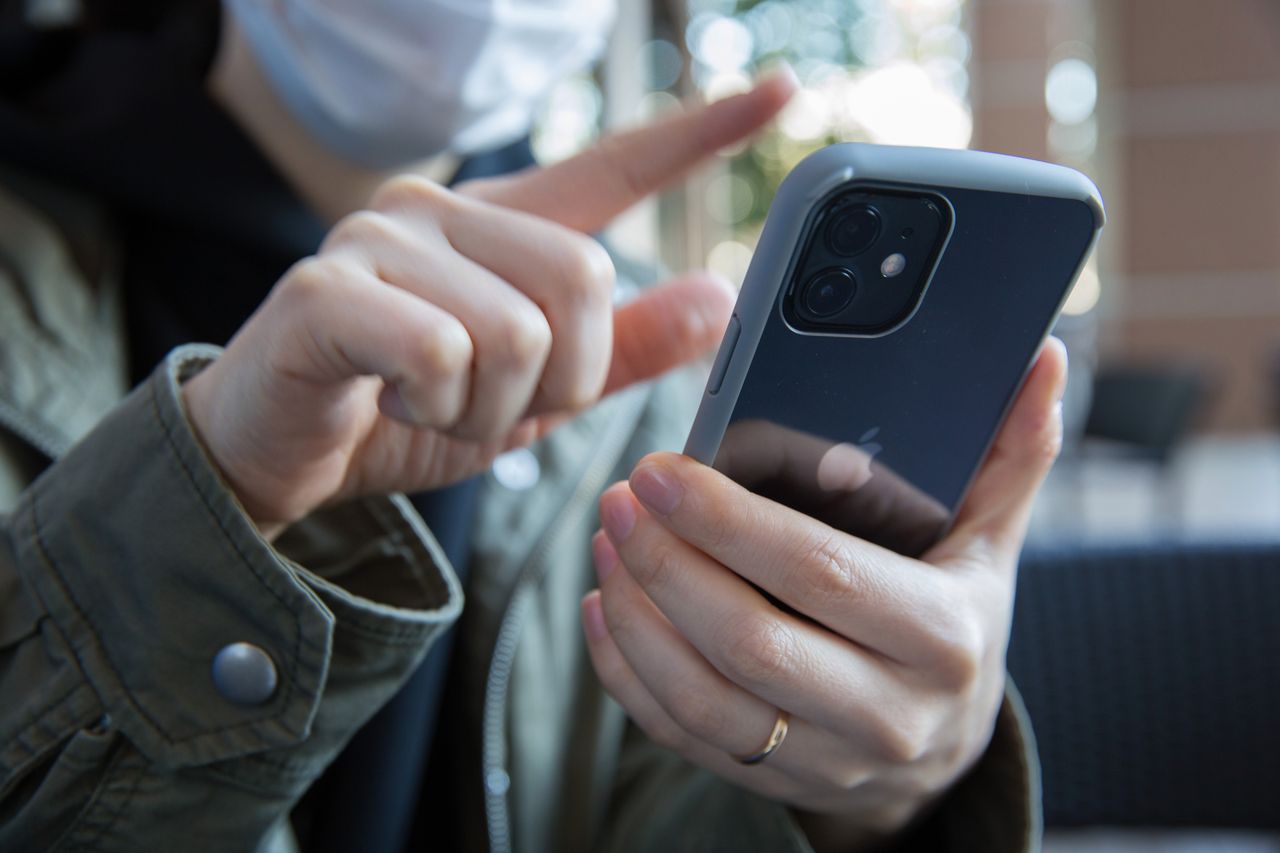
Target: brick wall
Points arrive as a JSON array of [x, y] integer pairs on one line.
[[1188, 157]]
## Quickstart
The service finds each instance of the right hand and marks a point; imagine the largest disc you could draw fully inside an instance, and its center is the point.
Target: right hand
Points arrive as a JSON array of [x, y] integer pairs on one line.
[[718, 609], [439, 328]]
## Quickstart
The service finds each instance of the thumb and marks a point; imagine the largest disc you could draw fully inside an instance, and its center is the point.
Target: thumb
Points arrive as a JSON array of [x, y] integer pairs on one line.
[[668, 326], [998, 507]]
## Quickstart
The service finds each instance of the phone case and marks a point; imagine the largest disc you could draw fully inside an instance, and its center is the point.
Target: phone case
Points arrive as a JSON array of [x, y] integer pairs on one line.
[[881, 434]]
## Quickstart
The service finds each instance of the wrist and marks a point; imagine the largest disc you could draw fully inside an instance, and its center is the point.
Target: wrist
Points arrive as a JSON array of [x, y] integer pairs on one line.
[[195, 393]]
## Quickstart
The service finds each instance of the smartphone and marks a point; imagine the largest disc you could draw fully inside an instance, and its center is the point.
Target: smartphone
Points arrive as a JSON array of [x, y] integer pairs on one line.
[[894, 304]]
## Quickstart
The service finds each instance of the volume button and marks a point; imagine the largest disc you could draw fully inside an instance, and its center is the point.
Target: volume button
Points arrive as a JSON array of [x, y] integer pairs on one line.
[[721, 365]]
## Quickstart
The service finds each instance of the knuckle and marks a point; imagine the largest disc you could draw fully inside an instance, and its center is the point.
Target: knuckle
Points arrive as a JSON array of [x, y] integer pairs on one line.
[[622, 166], [409, 191], [720, 522], [760, 650], [586, 272], [308, 283], [362, 228], [579, 396], [844, 777], [446, 352], [960, 653], [827, 572], [620, 617], [904, 739], [526, 337], [660, 564], [697, 713]]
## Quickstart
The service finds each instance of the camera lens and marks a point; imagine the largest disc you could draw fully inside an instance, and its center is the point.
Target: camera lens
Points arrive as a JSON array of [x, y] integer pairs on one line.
[[853, 230], [827, 293]]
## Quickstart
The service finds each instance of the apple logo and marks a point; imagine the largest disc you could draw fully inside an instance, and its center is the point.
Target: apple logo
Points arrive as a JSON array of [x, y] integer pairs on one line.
[[847, 467]]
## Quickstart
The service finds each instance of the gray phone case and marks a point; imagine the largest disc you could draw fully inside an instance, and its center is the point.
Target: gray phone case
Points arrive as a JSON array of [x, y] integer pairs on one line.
[[914, 409]]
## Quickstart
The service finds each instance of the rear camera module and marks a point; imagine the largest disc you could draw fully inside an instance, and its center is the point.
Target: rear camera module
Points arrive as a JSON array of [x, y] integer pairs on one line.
[[827, 293], [853, 230], [866, 257]]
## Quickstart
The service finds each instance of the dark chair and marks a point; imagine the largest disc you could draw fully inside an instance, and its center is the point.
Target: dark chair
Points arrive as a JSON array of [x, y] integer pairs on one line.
[[1152, 677], [1147, 410], [1138, 416]]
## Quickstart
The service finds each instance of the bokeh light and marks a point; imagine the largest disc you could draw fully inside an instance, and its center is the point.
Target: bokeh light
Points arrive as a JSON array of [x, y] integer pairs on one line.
[[722, 44], [885, 71], [902, 104], [1071, 91], [1086, 292], [730, 259], [569, 120], [730, 198], [664, 62]]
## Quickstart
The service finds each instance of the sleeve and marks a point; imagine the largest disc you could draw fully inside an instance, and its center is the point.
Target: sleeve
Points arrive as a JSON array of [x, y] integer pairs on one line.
[[169, 679], [662, 803]]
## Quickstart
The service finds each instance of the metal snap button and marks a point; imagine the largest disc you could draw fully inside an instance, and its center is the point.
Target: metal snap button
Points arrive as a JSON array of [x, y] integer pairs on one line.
[[244, 674]]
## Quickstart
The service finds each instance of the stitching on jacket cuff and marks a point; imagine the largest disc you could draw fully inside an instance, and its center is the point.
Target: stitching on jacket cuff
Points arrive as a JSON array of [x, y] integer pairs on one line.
[[406, 590], [149, 567]]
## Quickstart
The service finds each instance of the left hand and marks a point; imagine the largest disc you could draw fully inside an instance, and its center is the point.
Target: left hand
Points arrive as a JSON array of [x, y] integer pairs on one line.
[[892, 669], [438, 328]]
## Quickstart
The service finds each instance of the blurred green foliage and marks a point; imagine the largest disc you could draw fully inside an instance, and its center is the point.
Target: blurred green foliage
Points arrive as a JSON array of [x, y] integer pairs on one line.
[[812, 36]]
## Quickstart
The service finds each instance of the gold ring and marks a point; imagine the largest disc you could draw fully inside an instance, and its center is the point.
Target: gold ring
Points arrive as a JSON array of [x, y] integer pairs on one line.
[[776, 737]]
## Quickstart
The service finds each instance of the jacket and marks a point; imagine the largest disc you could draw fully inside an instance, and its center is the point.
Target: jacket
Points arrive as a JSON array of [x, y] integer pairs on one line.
[[169, 680]]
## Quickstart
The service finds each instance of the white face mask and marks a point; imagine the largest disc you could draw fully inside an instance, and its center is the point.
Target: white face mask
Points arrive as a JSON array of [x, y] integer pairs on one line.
[[387, 82]]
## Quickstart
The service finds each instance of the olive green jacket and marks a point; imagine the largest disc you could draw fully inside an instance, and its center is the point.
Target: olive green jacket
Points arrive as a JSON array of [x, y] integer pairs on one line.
[[127, 567]]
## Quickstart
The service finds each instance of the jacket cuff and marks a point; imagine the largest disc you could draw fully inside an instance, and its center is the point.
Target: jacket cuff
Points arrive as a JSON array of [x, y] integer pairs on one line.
[[996, 806], [149, 568]]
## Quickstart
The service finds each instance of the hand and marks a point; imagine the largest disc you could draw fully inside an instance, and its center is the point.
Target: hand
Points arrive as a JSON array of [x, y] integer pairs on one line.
[[892, 669], [437, 329]]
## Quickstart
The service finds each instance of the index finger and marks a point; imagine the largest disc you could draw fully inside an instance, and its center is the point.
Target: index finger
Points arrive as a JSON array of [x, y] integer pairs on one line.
[[828, 481], [587, 191], [855, 588]]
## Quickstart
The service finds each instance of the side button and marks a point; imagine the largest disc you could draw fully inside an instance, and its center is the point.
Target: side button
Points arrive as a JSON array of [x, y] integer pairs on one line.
[[721, 365]]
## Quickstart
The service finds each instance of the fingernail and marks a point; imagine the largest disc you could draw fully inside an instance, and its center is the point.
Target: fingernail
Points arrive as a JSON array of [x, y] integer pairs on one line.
[[1060, 387], [605, 556], [618, 515], [391, 403], [593, 617], [657, 489]]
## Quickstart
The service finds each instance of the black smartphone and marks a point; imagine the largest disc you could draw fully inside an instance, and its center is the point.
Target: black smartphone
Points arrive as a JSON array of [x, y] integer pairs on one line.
[[891, 311]]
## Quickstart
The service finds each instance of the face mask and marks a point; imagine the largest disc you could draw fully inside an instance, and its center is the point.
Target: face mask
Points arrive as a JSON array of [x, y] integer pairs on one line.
[[387, 82]]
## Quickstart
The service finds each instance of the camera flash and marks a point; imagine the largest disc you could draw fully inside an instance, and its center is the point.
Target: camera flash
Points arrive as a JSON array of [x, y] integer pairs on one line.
[[893, 265]]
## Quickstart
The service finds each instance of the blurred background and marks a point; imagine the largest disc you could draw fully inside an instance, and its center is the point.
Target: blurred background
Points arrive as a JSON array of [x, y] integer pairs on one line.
[[1144, 638], [1171, 106]]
